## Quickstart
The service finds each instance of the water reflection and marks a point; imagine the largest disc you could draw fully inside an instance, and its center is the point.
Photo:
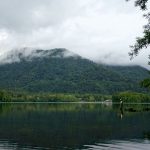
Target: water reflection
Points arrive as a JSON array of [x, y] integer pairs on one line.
[[69, 126], [121, 113], [121, 145]]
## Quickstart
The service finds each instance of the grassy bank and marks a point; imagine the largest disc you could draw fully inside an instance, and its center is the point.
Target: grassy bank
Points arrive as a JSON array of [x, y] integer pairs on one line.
[[9, 96], [126, 97], [131, 97]]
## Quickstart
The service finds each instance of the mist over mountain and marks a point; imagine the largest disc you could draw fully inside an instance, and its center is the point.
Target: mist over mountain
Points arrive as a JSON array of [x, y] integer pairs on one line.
[[61, 71], [29, 54], [82, 26]]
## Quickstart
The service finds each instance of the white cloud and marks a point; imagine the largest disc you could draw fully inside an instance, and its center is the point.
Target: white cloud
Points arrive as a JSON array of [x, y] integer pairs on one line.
[[98, 29]]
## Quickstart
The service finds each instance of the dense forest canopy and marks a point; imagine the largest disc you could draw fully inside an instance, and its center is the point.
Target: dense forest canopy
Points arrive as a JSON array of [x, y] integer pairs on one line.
[[58, 74]]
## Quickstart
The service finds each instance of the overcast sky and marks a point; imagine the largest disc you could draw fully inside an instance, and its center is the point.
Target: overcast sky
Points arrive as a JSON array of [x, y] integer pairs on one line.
[[98, 29]]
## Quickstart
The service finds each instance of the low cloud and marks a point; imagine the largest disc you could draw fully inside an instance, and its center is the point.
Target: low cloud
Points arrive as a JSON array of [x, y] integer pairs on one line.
[[96, 29]]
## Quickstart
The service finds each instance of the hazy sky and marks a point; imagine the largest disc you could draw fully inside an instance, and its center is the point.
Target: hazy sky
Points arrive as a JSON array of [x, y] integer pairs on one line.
[[98, 29]]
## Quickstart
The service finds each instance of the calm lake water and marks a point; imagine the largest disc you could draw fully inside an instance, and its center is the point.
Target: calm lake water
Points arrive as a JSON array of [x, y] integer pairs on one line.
[[71, 126]]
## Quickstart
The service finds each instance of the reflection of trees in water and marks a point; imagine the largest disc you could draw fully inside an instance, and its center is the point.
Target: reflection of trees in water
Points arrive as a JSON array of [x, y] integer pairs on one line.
[[129, 109], [70, 125], [132, 107], [4, 108], [147, 134], [47, 107]]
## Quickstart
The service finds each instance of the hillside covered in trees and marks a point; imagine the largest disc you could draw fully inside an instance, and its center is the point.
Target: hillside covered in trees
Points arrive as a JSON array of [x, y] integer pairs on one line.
[[61, 71]]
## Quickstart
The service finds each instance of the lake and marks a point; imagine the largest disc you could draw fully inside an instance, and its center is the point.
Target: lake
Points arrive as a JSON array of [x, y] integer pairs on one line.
[[74, 126]]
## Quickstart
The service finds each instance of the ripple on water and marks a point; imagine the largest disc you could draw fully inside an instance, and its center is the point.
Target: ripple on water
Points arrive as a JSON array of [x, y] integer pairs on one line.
[[121, 145]]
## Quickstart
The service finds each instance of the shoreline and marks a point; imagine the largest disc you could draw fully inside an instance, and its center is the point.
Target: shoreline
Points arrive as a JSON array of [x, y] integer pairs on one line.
[[44, 102]]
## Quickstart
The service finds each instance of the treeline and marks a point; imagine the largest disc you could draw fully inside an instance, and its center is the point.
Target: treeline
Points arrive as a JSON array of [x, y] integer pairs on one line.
[[131, 97], [6, 96]]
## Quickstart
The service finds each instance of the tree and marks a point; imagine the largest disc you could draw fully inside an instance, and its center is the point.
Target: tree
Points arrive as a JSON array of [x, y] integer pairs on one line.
[[5, 95], [142, 42]]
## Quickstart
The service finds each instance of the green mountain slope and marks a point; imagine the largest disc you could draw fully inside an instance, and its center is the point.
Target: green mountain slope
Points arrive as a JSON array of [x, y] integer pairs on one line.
[[61, 71]]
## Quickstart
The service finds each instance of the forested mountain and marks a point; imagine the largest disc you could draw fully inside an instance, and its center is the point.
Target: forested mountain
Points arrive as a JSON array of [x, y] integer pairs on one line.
[[62, 71]]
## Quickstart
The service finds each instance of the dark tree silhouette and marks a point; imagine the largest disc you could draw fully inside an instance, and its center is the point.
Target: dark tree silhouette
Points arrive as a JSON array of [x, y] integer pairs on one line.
[[142, 42]]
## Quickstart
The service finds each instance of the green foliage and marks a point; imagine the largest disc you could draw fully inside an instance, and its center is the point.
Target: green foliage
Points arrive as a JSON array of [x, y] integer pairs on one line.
[[131, 97], [69, 75], [56, 97], [146, 83], [5, 96]]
